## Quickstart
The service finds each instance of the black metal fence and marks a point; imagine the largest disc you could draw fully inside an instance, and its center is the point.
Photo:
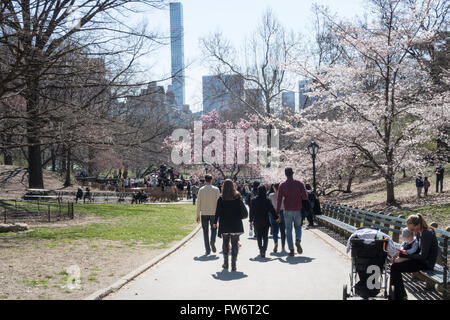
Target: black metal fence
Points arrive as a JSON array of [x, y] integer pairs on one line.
[[35, 211]]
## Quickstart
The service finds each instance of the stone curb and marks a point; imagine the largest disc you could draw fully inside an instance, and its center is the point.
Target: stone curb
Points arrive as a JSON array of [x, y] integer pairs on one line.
[[100, 294], [339, 247]]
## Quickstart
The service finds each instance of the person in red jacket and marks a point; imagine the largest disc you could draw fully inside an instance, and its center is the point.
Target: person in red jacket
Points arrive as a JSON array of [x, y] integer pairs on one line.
[[426, 185], [291, 193]]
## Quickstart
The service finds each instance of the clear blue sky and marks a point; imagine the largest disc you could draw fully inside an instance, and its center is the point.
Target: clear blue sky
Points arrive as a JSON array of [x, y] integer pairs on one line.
[[236, 19]]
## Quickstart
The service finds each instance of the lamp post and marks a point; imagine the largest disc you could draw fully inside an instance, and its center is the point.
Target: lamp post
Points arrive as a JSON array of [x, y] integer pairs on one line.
[[313, 149]]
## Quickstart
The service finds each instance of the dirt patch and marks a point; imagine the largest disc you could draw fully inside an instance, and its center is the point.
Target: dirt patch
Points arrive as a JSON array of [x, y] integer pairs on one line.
[[43, 270]]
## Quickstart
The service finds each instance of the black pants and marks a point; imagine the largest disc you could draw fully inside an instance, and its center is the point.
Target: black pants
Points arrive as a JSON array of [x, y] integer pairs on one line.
[[396, 275], [234, 245], [439, 183], [262, 236], [309, 217]]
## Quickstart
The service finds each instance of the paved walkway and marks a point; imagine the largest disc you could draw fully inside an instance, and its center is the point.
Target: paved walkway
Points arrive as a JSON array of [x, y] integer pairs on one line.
[[318, 273]]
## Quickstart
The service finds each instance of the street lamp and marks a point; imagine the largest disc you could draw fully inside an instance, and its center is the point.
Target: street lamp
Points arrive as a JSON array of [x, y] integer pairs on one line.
[[313, 149]]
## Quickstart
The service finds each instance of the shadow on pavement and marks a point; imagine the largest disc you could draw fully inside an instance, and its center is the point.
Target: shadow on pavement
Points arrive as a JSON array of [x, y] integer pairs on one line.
[[279, 254], [226, 275], [296, 260], [206, 258], [261, 259]]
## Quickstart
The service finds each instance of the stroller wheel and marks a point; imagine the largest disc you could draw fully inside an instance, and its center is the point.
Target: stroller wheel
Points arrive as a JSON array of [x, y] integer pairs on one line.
[[344, 292]]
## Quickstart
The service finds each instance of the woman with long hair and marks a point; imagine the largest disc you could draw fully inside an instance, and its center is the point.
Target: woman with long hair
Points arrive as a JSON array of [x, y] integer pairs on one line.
[[424, 259], [230, 211]]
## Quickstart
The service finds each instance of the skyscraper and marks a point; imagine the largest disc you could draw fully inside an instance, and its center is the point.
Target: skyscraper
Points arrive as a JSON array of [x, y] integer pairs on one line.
[[288, 100], [303, 100], [177, 52], [222, 92]]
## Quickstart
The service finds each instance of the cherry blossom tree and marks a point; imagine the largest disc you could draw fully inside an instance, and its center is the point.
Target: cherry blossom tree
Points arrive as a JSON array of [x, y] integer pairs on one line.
[[378, 102], [221, 159]]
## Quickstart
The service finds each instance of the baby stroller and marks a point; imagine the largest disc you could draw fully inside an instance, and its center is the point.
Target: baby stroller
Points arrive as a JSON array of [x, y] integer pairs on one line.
[[369, 262]]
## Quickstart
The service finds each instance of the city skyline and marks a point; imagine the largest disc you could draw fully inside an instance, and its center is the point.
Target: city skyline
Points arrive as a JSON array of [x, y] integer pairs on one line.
[[200, 18]]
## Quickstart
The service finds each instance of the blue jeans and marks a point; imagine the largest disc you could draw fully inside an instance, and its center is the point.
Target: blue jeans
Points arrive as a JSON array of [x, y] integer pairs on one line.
[[208, 221], [293, 217], [278, 226]]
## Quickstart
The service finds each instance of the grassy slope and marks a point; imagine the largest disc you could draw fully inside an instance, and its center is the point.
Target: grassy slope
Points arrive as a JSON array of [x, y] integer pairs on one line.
[[371, 195]]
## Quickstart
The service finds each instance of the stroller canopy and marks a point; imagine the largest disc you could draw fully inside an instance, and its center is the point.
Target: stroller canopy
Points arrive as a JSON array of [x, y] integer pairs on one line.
[[370, 234]]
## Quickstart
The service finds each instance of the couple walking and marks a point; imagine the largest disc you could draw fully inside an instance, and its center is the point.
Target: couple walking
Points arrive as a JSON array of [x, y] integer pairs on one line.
[[228, 209], [287, 199]]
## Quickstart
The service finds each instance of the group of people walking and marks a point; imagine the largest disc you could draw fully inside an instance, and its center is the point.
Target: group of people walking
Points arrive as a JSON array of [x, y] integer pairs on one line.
[[282, 209]]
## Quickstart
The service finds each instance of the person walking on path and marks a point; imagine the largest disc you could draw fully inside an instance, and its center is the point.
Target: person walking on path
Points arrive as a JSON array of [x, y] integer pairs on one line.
[[194, 190], [439, 178], [309, 212], [260, 209], [419, 184], [292, 192], [424, 259], [275, 225], [206, 209], [230, 212]]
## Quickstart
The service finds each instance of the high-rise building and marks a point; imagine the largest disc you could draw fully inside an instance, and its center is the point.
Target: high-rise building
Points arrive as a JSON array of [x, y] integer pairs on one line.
[[254, 100], [177, 52], [303, 100], [288, 100], [222, 92]]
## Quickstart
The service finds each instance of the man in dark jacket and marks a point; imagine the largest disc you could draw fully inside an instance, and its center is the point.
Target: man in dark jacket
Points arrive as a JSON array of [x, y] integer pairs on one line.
[[260, 208], [309, 212], [439, 178]]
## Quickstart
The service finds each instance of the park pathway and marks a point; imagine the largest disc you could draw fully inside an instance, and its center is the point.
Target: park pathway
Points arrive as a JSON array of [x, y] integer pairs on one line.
[[187, 274]]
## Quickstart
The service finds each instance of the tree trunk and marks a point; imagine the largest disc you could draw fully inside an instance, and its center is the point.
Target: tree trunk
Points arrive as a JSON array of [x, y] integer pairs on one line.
[[53, 156], [68, 169], [63, 165], [35, 177], [390, 198], [349, 184], [7, 153], [350, 180]]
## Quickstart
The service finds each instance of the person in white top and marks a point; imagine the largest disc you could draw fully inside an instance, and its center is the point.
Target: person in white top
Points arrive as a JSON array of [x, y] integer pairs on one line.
[[206, 209], [275, 225]]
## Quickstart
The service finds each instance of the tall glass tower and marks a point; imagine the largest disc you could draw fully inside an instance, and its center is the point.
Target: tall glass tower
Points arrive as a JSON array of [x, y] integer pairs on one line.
[[177, 52]]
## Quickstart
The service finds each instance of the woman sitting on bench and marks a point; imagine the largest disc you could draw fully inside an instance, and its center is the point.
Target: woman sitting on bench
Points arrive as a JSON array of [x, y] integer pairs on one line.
[[424, 259]]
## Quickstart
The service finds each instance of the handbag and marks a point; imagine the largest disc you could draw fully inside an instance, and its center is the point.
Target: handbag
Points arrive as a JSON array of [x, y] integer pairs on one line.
[[243, 210]]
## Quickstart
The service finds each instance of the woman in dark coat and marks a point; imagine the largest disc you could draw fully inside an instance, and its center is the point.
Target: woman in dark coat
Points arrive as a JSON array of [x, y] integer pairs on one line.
[[230, 211], [424, 259], [260, 208]]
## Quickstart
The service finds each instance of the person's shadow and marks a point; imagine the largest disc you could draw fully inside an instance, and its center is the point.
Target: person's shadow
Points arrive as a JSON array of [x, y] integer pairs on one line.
[[296, 260], [261, 259], [226, 275], [206, 258]]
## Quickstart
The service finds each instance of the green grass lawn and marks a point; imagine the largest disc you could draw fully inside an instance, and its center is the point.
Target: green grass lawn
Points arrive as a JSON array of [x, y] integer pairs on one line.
[[144, 224], [435, 213]]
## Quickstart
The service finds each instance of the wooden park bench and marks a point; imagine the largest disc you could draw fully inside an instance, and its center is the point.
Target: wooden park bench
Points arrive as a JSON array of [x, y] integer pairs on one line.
[[346, 220]]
